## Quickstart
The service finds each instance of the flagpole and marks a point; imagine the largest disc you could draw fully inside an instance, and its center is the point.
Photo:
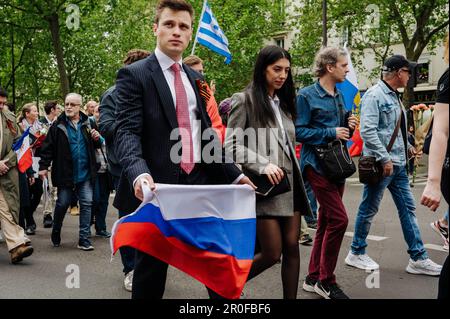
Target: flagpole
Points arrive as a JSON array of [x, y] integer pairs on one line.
[[198, 28]]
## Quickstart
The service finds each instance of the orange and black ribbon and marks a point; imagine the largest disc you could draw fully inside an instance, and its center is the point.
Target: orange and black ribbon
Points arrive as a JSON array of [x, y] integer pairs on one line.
[[203, 90]]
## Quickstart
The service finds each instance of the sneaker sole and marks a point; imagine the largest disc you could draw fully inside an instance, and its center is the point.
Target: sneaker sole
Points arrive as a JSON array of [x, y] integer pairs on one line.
[[417, 272], [308, 288], [321, 293], [84, 248], [360, 267], [437, 231]]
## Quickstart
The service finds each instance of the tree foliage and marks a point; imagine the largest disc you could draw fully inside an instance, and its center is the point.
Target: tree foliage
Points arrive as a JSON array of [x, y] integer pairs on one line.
[[92, 53], [371, 24]]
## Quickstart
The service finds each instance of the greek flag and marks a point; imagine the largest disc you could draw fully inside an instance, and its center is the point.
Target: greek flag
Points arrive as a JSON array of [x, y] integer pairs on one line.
[[210, 35]]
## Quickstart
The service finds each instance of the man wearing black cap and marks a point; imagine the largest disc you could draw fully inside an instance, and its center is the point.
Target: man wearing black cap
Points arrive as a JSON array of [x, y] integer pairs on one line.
[[381, 112]]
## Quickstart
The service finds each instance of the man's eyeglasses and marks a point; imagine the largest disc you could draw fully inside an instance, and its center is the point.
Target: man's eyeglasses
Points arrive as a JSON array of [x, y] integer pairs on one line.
[[71, 105]]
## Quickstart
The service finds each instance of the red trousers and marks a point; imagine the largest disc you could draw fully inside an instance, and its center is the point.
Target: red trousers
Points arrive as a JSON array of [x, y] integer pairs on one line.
[[331, 226]]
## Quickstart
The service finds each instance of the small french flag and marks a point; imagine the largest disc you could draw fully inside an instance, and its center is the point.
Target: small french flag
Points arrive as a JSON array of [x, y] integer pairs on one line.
[[23, 151]]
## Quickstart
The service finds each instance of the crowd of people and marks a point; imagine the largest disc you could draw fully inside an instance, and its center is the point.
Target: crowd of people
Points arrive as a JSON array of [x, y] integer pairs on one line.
[[123, 142]]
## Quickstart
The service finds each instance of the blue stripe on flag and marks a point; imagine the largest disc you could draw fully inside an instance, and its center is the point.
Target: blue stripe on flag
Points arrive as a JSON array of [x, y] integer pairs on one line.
[[215, 49], [17, 145], [226, 235], [349, 92], [212, 35]]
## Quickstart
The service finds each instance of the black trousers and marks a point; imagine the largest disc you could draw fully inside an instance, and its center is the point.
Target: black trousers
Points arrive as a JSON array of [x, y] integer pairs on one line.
[[443, 282], [150, 273]]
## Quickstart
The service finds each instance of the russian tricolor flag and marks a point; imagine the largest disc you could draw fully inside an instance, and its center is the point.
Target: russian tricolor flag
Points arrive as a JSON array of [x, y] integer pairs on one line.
[[352, 100], [23, 151], [206, 231]]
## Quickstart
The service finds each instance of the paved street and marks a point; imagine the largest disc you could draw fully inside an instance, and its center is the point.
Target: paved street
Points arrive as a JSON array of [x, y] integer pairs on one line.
[[43, 275]]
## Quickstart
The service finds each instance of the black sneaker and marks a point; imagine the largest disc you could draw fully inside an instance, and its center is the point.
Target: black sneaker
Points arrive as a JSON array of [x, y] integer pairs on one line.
[[48, 221], [103, 234], [329, 291], [56, 237], [308, 284], [85, 245], [30, 231]]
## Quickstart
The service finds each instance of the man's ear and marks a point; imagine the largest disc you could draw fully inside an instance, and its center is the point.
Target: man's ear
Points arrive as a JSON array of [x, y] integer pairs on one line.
[[155, 28]]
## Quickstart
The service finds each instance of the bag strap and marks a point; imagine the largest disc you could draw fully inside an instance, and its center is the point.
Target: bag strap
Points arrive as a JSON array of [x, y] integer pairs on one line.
[[394, 135]]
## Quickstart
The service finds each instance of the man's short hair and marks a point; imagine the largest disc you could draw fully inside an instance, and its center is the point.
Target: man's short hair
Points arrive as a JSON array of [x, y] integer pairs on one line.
[[175, 5], [192, 60], [327, 56], [3, 92], [49, 105], [135, 55], [76, 95]]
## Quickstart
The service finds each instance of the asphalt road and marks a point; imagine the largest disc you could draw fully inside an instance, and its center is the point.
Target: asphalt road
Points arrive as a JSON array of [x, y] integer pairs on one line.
[[50, 272]]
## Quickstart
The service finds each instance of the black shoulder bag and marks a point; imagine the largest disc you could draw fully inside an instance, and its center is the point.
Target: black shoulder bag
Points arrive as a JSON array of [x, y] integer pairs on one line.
[[334, 158], [371, 170]]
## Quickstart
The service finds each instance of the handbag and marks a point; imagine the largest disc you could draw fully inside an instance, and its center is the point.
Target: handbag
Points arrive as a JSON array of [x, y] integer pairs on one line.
[[370, 170], [265, 189], [335, 160]]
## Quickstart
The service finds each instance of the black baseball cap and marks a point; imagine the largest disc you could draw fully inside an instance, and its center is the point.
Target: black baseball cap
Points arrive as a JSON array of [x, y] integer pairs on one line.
[[396, 62]]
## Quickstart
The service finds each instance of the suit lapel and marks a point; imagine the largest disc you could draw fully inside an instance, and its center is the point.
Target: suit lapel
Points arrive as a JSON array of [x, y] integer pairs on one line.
[[192, 77], [279, 136], [163, 91]]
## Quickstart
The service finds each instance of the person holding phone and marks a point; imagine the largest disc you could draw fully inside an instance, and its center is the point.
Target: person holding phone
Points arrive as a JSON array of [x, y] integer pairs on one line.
[[267, 109]]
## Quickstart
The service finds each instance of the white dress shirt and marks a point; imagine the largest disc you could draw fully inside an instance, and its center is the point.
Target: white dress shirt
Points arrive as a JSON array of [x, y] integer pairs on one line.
[[166, 63]]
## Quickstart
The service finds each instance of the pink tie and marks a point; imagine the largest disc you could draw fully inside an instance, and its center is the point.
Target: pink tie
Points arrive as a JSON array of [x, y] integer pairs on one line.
[[184, 124]]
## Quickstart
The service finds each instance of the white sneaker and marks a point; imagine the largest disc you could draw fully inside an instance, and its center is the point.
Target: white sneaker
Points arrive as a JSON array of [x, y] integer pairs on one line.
[[424, 267], [361, 261], [128, 281]]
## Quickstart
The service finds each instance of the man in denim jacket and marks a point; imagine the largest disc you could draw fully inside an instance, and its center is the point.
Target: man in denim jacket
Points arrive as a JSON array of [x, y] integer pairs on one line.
[[380, 110]]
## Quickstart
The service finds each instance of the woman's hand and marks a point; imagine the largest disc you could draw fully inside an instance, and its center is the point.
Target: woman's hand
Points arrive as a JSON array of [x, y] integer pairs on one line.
[[274, 173]]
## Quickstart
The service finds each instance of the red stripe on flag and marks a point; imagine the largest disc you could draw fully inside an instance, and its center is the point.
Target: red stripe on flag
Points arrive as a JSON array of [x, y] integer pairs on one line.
[[222, 273], [25, 161], [357, 146]]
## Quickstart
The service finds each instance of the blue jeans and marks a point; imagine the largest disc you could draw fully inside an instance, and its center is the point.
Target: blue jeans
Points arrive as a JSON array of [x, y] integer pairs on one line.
[[101, 198], [398, 185], [312, 202], [84, 192]]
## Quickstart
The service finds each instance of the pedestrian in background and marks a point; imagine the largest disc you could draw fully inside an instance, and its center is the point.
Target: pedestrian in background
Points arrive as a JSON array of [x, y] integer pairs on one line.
[[19, 246], [107, 125], [383, 123], [320, 109], [439, 163], [70, 149]]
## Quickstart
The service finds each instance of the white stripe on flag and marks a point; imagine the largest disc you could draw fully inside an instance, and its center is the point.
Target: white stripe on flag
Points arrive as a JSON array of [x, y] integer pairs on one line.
[[351, 75], [213, 41], [222, 201]]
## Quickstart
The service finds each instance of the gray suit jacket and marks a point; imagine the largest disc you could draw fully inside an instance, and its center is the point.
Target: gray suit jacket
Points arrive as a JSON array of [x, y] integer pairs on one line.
[[264, 145]]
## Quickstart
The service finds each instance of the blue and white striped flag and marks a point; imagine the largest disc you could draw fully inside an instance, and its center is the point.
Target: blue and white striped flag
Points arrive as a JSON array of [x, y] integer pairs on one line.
[[210, 35]]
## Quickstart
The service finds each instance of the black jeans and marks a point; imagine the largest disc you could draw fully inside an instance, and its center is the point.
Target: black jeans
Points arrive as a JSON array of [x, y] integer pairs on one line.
[[127, 254], [443, 282], [35, 198]]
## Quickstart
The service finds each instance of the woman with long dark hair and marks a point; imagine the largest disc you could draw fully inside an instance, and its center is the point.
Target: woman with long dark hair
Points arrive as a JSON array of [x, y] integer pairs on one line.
[[266, 111]]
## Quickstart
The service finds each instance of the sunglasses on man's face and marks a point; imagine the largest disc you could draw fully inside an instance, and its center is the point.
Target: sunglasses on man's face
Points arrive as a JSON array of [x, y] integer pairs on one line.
[[406, 70]]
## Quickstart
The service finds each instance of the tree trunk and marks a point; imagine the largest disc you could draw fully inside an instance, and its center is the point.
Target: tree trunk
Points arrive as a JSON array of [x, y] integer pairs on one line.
[[58, 50], [324, 24]]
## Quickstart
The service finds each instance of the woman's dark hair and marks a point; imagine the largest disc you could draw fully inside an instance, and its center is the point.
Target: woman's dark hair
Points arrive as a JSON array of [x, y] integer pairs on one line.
[[260, 105]]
